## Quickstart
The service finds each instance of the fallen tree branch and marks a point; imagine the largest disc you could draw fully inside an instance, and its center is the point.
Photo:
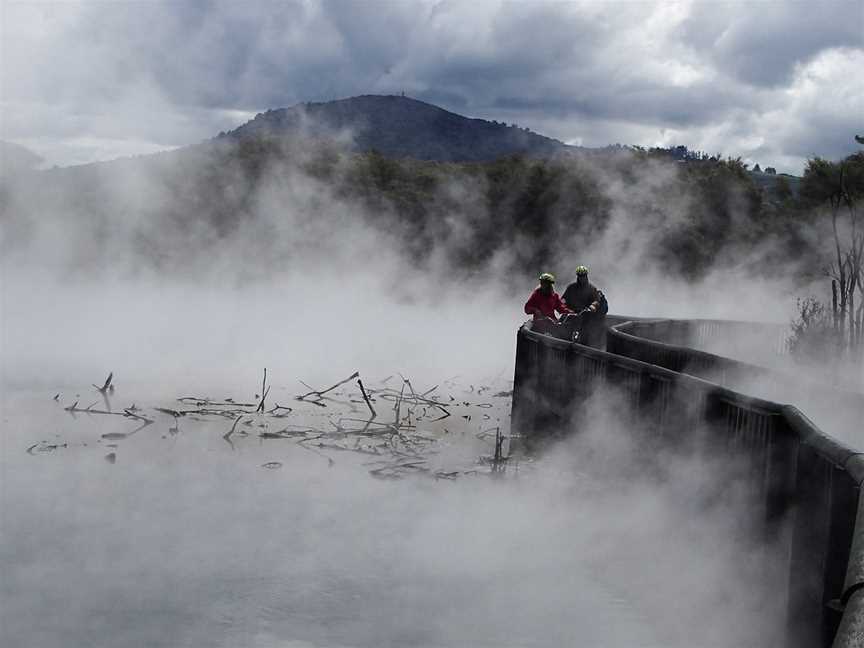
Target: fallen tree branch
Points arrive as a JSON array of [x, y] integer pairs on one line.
[[227, 436], [366, 398], [116, 436], [264, 391], [442, 417], [104, 388], [280, 407], [320, 393], [127, 413], [200, 401], [399, 405], [170, 412]]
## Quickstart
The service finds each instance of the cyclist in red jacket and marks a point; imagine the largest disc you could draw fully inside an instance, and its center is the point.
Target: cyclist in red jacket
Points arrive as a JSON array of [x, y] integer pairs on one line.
[[543, 303]]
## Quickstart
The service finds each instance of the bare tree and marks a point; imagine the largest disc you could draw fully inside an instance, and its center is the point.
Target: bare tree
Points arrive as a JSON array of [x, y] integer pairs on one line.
[[839, 186]]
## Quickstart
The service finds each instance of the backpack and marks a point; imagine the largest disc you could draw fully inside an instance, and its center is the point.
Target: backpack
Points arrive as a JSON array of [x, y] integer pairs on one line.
[[603, 306]]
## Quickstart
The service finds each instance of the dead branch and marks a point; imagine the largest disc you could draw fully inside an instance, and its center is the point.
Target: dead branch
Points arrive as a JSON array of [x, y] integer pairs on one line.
[[204, 401], [264, 391], [392, 395], [399, 404], [72, 409], [170, 412], [227, 437], [395, 471], [320, 393], [280, 407], [288, 434], [341, 448], [45, 447], [442, 417], [215, 412], [104, 388], [330, 461], [366, 398], [410, 387], [116, 436], [380, 428], [499, 459], [141, 427]]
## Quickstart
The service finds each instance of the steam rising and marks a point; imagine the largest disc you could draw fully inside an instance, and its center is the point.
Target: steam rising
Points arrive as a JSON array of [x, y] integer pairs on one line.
[[600, 541]]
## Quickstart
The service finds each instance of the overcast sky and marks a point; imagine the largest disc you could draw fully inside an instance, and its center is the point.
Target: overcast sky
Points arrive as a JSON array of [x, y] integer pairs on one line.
[[774, 82]]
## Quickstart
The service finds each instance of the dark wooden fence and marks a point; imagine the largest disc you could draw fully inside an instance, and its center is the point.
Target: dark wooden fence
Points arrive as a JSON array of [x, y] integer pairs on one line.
[[805, 483]]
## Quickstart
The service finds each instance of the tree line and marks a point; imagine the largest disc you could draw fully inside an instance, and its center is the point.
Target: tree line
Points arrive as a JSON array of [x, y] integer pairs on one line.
[[518, 214]]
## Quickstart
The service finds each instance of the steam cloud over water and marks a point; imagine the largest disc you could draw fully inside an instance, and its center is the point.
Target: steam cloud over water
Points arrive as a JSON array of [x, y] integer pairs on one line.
[[186, 275], [185, 542], [182, 539]]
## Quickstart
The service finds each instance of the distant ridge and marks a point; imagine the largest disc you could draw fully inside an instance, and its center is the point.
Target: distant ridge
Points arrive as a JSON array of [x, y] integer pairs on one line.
[[402, 127]]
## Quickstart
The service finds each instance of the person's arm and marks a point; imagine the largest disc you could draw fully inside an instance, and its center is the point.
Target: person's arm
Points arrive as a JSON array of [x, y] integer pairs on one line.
[[561, 307], [531, 306], [595, 302], [564, 296]]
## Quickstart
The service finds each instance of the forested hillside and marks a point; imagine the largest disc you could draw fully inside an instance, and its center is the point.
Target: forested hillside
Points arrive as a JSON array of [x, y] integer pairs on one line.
[[400, 127], [517, 214]]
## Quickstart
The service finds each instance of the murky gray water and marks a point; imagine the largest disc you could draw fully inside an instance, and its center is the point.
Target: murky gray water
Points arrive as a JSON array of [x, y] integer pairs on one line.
[[173, 535]]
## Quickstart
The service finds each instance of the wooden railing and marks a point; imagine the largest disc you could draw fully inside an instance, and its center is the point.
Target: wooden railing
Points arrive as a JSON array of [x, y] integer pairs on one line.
[[805, 484]]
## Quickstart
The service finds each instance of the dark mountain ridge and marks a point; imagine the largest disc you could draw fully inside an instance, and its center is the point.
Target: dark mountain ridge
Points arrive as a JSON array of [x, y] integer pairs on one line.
[[401, 127]]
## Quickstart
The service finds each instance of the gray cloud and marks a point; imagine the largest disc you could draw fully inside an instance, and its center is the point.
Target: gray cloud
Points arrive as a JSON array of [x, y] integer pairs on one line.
[[763, 44], [168, 74]]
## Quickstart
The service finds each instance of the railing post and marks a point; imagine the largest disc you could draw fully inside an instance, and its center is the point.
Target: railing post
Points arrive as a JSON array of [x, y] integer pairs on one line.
[[523, 413]]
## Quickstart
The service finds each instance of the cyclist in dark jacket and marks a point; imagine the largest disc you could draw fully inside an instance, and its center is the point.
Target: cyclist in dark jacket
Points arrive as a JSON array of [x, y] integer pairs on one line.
[[584, 299]]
